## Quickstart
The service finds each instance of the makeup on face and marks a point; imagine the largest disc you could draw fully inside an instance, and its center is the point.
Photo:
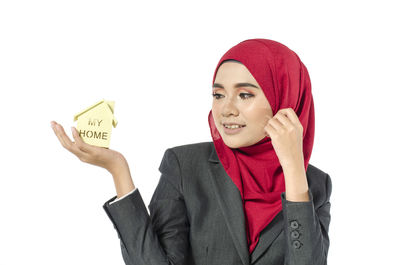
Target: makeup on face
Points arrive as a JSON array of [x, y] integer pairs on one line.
[[232, 131]]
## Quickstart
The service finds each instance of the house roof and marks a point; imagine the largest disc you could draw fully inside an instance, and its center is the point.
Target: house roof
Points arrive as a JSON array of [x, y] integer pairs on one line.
[[110, 105]]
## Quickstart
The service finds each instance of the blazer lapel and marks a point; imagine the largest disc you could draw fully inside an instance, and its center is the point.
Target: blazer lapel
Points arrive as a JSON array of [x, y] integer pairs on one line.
[[230, 202], [267, 236]]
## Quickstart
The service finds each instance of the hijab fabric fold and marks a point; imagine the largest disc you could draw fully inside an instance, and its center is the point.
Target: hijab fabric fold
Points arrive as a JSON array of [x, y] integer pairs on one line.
[[255, 169]]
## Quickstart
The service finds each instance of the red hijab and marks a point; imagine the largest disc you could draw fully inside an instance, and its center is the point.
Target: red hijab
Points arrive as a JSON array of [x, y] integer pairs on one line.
[[285, 82]]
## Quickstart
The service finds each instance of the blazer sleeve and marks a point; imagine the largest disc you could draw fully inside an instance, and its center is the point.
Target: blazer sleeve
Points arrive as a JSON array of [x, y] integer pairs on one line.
[[161, 237], [126, 195], [306, 229]]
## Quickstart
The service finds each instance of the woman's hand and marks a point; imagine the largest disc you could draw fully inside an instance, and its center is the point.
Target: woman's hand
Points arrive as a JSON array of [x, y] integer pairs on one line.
[[99, 156], [286, 132]]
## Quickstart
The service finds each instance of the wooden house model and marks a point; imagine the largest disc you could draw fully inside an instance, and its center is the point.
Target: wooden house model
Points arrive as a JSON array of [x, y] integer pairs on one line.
[[95, 123]]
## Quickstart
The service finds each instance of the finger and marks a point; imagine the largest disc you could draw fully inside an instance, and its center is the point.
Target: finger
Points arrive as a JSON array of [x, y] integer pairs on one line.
[[58, 132], [270, 130], [68, 144], [276, 124], [64, 137], [284, 120], [79, 141], [291, 115]]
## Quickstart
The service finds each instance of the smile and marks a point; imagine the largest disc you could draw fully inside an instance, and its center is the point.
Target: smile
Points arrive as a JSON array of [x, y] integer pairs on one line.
[[233, 126], [234, 129]]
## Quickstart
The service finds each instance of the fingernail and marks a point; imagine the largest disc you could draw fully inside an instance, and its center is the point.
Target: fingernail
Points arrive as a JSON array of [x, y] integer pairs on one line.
[[72, 130]]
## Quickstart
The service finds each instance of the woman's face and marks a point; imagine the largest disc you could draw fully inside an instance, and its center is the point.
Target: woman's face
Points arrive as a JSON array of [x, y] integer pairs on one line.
[[239, 99]]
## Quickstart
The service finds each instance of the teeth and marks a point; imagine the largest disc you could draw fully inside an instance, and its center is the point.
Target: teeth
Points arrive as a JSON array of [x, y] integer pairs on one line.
[[232, 126]]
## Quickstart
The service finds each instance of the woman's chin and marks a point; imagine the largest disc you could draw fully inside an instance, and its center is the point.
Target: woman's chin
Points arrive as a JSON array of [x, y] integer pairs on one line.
[[233, 143]]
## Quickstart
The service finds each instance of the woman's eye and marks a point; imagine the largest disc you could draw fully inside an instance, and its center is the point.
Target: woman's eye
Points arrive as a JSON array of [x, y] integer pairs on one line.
[[216, 95], [242, 95], [246, 94]]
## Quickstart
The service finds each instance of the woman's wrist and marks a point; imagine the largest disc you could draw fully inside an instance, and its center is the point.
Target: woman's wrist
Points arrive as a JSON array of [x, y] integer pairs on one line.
[[117, 166], [122, 177]]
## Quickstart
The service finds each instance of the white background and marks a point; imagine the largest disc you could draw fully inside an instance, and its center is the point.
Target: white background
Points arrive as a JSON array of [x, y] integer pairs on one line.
[[155, 59]]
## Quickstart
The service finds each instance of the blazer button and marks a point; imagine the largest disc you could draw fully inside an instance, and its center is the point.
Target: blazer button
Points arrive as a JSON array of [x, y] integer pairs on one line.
[[294, 224], [295, 234], [296, 244]]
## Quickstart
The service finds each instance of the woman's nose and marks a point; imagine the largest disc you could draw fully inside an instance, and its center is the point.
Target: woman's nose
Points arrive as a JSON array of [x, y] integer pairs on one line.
[[229, 108]]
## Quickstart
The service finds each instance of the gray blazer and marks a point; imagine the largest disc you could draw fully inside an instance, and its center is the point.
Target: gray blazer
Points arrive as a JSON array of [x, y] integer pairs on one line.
[[196, 217]]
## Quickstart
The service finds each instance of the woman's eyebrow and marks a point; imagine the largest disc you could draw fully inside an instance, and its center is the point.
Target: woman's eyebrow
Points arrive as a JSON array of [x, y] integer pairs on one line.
[[236, 85]]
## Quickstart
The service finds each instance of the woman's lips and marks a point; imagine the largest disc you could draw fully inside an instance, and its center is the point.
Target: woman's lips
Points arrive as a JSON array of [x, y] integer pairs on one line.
[[233, 131]]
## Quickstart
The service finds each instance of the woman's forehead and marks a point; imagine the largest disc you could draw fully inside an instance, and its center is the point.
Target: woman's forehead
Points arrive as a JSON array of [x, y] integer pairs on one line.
[[234, 72]]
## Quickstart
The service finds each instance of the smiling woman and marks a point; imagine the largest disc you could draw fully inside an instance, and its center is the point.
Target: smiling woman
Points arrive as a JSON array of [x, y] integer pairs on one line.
[[238, 100], [268, 157], [249, 196]]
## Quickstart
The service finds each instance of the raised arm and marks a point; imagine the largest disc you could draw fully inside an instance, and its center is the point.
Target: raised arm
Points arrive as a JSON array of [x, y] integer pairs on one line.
[[306, 229], [161, 237]]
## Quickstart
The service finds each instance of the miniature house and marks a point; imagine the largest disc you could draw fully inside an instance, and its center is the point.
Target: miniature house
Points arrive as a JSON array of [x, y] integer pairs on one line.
[[95, 123]]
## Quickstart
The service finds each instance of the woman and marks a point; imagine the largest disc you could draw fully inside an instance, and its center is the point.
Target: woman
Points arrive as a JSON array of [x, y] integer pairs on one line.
[[247, 197]]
